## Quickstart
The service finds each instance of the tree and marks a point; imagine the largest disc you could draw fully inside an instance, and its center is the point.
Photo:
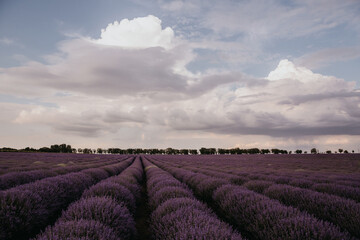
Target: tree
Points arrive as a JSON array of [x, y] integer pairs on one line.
[[169, 151], [264, 151], [340, 150], [298, 151], [221, 151], [184, 151], [328, 151], [193, 151], [99, 150], [275, 151], [44, 149], [253, 151], [87, 151], [314, 151], [203, 150]]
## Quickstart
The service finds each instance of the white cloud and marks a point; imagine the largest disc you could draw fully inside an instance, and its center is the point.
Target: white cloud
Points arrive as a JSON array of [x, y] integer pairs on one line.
[[6, 41], [142, 32]]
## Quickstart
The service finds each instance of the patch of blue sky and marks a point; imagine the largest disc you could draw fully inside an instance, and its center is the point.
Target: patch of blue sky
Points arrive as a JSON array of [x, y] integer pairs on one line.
[[45, 23], [232, 38], [31, 101], [336, 37], [347, 70]]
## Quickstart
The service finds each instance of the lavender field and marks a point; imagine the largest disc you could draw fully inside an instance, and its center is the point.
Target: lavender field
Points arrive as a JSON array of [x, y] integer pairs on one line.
[[100, 196]]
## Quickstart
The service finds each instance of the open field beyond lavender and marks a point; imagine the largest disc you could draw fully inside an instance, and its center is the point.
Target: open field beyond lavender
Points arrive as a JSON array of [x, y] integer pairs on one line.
[[94, 196]]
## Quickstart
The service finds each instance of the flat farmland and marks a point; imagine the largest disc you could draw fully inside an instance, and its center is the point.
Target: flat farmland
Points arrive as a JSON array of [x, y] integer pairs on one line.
[[102, 196]]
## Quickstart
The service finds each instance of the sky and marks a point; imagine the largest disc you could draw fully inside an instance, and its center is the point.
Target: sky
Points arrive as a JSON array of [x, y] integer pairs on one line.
[[181, 74]]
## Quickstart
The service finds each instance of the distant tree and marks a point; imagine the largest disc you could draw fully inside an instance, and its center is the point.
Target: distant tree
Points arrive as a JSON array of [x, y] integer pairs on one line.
[[55, 148], [203, 150], [44, 149], [193, 151], [352, 151], [99, 151], [264, 151], [184, 151], [305, 152], [212, 151], [7, 149], [340, 150], [87, 151], [314, 151], [130, 151], [221, 151], [346, 151], [73, 150], [253, 151], [275, 151], [298, 151], [328, 151], [169, 151], [80, 150], [28, 149]]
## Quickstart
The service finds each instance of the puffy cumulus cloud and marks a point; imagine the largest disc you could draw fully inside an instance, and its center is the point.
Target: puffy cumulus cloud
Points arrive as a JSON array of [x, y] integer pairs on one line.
[[293, 102], [142, 32], [83, 66]]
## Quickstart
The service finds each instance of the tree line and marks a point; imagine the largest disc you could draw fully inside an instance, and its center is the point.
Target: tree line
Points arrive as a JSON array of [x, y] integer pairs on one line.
[[65, 148]]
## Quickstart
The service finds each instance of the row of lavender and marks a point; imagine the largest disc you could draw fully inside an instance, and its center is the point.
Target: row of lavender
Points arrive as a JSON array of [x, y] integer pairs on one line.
[[105, 211], [18, 161], [177, 214], [342, 169], [345, 185], [28, 208], [259, 217], [345, 189], [336, 209], [15, 178]]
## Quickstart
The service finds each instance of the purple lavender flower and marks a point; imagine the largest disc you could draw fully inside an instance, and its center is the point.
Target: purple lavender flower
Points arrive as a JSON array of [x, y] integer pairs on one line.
[[79, 229], [104, 210]]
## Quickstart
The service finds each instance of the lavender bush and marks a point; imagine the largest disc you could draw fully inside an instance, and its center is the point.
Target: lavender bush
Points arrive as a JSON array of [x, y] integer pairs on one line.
[[339, 190], [263, 218], [119, 193], [41, 202], [343, 212], [108, 203], [79, 229], [104, 210], [177, 214]]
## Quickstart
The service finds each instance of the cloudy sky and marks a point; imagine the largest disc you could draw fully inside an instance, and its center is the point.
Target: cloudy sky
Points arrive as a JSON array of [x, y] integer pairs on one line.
[[182, 74]]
